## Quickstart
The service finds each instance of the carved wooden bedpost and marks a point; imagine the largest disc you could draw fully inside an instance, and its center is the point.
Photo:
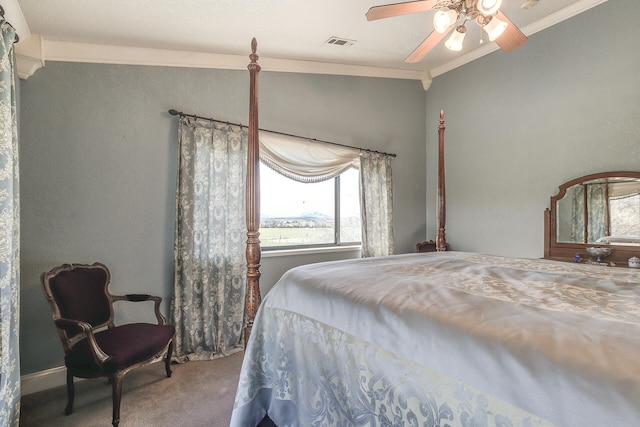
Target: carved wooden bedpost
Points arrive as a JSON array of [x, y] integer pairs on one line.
[[441, 241], [252, 300]]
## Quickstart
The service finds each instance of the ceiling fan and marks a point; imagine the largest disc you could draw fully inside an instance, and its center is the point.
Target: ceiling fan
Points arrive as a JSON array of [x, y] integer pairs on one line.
[[455, 14]]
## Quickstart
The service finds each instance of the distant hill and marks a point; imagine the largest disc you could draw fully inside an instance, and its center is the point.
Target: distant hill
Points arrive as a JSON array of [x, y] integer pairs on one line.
[[318, 216], [315, 215], [305, 220]]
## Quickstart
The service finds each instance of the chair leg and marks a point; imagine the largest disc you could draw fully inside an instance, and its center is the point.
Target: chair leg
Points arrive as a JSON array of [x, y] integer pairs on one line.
[[70, 394], [167, 360], [116, 385]]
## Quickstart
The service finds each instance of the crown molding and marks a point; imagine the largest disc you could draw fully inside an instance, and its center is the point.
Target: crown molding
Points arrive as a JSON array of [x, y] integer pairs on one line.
[[33, 50], [13, 14], [112, 54], [29, 56]]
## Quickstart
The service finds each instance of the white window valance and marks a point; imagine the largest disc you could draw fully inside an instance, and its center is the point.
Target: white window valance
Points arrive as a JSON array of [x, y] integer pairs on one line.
[[305, 160], [624, 189]]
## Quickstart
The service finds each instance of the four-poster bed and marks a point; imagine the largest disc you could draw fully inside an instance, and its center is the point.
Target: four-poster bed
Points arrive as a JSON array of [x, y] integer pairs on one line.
[[439, 338]]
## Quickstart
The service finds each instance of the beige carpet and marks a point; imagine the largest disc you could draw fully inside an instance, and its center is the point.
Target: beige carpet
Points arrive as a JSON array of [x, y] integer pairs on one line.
[[197, 394]]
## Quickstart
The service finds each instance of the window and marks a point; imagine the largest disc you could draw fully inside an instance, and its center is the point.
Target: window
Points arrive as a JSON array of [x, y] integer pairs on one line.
[[295, 214], [625, 215]]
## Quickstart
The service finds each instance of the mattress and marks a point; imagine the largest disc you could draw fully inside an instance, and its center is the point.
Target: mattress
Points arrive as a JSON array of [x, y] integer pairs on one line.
[[445, 338]]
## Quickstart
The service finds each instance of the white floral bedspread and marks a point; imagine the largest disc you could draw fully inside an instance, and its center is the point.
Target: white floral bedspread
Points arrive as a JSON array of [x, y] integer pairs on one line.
[[445, 339]]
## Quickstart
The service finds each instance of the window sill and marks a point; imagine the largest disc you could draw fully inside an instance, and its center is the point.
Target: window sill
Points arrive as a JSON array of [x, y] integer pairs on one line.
[[309, 251]]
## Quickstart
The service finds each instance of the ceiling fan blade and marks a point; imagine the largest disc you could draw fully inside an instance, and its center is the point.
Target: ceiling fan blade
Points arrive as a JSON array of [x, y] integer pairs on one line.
[[389, 10], [512, 38], [425, 47]]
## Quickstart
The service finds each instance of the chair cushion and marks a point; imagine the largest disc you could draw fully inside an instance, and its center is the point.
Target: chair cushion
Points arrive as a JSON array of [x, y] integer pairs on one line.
[[81, 295], [126, 345]]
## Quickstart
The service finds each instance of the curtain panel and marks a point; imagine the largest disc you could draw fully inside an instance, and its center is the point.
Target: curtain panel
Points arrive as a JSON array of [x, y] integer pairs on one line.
[[577, 213], [596, 212], [376, 204], [210, 270], [9, 236], [597, 204]]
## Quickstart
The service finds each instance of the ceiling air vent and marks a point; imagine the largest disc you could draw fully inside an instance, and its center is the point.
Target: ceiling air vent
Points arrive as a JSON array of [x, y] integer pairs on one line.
[[339, 41]]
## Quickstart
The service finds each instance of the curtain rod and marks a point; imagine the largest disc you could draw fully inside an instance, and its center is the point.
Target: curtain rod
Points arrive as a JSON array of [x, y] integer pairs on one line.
[[181, 114]]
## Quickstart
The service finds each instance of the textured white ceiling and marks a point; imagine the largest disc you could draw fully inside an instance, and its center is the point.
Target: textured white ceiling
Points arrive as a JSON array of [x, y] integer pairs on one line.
[[284, 29]]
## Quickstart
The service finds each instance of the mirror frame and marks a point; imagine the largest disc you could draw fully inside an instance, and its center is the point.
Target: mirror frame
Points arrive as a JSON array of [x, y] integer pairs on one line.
[[563, 251]]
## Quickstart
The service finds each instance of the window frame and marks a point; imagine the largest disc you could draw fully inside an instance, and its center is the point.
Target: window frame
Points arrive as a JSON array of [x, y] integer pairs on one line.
[[337, 243]]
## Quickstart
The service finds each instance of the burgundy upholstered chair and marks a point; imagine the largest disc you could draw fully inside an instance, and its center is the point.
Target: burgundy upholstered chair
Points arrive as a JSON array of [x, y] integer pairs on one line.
[[429, 246], [94, 347]]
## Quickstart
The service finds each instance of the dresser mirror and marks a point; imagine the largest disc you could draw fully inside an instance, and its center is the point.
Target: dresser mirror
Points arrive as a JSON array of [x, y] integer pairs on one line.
[[601, 209]]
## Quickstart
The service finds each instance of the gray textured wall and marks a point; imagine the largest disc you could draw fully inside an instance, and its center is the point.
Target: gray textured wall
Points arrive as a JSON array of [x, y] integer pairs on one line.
[[519, 124], [98, 166]]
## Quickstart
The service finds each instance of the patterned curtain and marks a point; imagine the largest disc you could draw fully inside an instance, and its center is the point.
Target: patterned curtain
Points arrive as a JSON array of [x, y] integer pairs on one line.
[[210, 268], [376, 204], [597, 205], [9, 236], [578, 207]]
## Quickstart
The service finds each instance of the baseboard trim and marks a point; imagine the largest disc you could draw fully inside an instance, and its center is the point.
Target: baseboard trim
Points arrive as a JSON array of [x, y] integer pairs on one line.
[[44, 380]]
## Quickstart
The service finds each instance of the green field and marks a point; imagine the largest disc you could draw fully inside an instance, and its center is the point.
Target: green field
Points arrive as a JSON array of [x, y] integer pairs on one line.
[[295, 236]]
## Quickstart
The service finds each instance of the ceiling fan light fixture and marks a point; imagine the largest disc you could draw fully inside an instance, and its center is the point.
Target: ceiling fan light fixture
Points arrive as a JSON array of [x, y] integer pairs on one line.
[[494, 28], [442, 20], [488, 7], [457, 37]]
